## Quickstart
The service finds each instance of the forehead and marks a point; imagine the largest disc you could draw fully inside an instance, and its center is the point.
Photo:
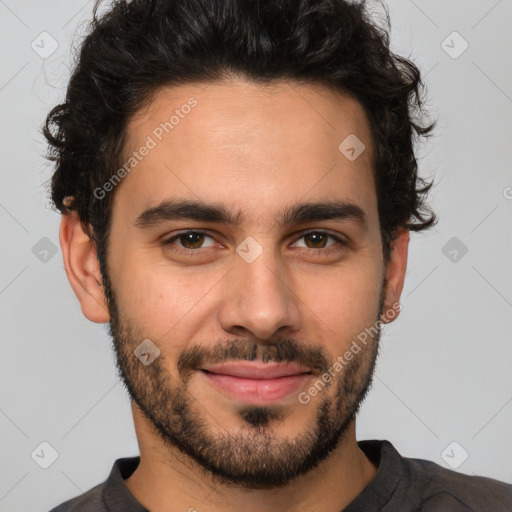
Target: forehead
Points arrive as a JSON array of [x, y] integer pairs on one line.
[[247, 146]]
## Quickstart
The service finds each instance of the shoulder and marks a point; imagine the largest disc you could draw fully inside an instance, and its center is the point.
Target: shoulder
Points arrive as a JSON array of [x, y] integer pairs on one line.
[[89, 501], [445, 489], [419, 485], [111, 494]]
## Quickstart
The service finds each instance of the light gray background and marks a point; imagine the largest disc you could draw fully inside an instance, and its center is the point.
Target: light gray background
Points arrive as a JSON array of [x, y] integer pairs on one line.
[[444, 372]]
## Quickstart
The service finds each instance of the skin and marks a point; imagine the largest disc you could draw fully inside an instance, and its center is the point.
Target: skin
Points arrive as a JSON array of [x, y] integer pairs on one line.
[[255, 150]]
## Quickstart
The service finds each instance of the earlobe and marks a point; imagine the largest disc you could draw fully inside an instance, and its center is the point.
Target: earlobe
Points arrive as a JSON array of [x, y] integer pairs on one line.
[[395, 276], [82, 268]]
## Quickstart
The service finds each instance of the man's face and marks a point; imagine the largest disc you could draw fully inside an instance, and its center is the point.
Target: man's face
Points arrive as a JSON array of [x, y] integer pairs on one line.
[[260, 290]]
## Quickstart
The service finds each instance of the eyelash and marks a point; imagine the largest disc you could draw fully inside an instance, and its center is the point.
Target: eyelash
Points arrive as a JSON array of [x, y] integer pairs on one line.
[[193, 252]]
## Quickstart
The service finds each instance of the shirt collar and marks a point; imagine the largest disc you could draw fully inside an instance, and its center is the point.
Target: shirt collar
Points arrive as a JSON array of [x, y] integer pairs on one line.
[[117, 496], [389, 472]]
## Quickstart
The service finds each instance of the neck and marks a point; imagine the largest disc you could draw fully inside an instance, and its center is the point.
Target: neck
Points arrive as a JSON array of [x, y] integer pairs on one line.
[[166, 481]]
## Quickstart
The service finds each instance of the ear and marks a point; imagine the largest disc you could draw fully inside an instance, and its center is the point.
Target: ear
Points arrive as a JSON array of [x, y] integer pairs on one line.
[[82, 268], [395, 276]]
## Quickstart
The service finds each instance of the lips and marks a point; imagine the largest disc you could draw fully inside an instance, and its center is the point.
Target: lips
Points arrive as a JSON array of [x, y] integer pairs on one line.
[[256, 383], [257, 371]]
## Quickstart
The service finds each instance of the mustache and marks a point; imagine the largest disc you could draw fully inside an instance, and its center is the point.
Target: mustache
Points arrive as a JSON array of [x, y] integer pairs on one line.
[[285, 350]]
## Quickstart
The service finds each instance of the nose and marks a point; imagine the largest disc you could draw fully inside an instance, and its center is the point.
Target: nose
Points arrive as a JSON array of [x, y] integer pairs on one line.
[[259, 298]]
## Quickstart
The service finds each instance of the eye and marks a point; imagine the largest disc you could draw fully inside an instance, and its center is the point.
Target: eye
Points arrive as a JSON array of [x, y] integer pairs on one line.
[[190, 241], [318, 240]]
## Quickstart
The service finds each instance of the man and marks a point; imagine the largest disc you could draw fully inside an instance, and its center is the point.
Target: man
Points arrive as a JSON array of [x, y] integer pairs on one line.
[[238, 184]]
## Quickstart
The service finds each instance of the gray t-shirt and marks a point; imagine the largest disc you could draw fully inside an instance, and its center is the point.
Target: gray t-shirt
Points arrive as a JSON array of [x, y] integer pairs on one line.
[[400, 485]]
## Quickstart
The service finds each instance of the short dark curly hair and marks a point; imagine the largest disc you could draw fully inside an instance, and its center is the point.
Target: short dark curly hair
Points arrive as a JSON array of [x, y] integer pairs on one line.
[[139, 46]]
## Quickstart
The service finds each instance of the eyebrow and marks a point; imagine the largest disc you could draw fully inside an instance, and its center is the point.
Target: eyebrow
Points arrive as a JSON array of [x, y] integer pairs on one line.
[[169, 210]]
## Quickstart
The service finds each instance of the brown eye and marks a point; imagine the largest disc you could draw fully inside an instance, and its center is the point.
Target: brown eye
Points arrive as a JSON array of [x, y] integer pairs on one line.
[[319, 239], [189, 241]]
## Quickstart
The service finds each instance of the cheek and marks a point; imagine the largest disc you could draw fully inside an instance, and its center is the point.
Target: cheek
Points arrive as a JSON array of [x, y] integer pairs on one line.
[[173, 303], [159, 300], [346, 303]]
